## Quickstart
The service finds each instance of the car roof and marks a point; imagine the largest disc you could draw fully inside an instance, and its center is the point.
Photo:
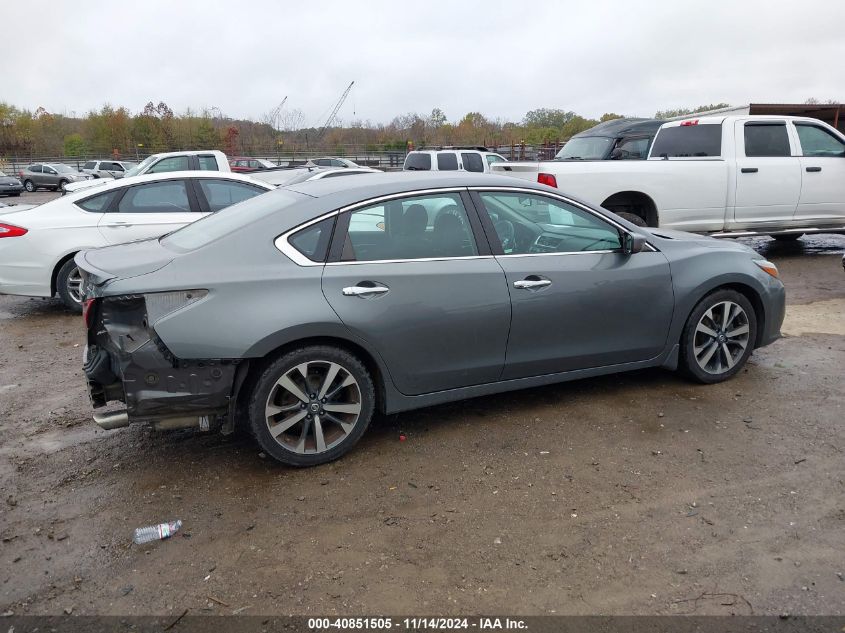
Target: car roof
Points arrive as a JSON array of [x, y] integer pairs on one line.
[[108, 185], [387, 183], [618, 127]]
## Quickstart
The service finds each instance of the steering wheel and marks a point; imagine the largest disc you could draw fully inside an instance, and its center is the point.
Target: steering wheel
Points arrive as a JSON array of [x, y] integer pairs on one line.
[[506, 233]]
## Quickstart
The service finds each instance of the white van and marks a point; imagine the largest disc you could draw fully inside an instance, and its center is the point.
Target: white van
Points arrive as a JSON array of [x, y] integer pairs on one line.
[[476, 159]]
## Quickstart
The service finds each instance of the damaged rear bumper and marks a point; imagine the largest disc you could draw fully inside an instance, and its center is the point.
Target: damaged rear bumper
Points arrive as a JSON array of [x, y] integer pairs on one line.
[[126, 362]]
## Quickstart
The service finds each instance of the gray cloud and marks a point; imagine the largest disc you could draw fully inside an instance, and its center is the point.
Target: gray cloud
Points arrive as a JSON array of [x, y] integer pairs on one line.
[[498, 58]]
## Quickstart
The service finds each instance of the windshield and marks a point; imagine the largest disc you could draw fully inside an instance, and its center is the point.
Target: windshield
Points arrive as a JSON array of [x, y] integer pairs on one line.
[[585, 148], [228, 220], [2, 174], [137, 169]]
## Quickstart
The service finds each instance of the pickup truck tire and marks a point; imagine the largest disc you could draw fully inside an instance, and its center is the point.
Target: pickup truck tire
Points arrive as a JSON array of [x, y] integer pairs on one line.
[[787, 237], [718, 337], [633, 219]]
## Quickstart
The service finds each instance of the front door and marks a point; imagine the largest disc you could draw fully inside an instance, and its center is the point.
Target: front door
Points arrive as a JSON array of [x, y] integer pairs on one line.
[[413, 283], [768, 175], [148, 210], [822, 175], [578, 301]]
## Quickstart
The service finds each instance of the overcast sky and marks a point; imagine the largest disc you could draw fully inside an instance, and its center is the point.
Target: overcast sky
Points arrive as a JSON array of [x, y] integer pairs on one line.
[[499, 58]]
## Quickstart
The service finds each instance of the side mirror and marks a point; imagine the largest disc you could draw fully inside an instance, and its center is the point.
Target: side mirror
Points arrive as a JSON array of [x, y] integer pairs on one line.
[[632, 243]]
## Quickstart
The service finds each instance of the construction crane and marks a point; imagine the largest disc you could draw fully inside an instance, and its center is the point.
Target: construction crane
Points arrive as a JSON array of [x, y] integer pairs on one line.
[[276, 114], [332, 116]]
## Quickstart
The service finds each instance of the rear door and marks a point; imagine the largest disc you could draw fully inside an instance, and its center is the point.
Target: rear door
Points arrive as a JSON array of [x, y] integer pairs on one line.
[[822, 174], [409, 277], [149, 210], [768, 174]]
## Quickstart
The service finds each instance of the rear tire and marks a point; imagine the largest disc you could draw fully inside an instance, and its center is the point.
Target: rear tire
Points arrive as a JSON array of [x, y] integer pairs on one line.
[[69, 285], [718, 337], [29, 186], [311, 405], [632, 218], [787, 237]]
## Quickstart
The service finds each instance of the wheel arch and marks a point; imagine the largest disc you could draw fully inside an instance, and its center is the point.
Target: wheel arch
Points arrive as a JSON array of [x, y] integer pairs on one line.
[[368, 358], [746, 290], [635, 202], [54, 275]]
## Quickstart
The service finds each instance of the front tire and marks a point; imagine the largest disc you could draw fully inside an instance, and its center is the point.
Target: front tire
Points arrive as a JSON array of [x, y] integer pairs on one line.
[[29, 186], [69, 285], [311, 405], [718, 337]]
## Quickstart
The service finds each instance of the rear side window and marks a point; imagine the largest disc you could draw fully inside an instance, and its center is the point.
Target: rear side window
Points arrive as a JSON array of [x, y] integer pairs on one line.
[[766, 140], [816, 141], [173, 163], [97, 204], [313, 242], [447, 161], [208, 163], [35, 169], [224, 193], [420, 162], [156, 197], [472, 161], [688, 141]]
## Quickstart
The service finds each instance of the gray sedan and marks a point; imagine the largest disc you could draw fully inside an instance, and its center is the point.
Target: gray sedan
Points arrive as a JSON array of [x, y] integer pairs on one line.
[[301, 312], [9, 185]]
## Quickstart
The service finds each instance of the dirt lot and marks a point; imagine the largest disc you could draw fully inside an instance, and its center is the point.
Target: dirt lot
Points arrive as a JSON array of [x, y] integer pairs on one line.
[[630, 494]]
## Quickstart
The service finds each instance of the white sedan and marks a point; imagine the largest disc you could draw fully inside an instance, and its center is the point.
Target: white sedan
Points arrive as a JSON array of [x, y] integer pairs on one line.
[[37, 245]]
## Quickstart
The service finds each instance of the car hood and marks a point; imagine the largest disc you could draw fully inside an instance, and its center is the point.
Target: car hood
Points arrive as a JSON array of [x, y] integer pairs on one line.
[[123, 261], [9, 180], [700, 240]]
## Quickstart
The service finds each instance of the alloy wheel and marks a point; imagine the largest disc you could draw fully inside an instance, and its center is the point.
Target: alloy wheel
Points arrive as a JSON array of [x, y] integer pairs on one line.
[[74, 285], [313, 407], [721, 337]]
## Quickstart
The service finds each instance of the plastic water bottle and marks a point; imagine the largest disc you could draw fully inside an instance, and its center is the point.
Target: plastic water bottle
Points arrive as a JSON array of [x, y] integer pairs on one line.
[[156, 532]]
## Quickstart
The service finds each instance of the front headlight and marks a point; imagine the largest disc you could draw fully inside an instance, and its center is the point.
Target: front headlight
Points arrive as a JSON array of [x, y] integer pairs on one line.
[[767, 267]]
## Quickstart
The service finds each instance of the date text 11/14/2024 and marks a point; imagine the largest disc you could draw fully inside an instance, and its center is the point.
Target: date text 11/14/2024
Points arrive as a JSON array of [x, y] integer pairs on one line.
[[417, 624]]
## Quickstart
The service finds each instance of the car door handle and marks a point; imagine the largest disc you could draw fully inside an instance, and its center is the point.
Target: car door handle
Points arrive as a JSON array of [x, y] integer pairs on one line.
[[119, 225], [814, 169], [364, 291], [749, 170], [528, 284]]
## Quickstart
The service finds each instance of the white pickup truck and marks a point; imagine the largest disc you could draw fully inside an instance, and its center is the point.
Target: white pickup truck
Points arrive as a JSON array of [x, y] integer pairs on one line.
[[726, 176]]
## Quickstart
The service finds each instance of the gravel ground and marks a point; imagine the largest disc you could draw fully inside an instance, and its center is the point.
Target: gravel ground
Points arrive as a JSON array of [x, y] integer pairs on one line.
[[632, 494]]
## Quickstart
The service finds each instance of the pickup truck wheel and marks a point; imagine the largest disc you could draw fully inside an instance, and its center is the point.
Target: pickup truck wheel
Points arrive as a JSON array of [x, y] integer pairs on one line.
[[69, 285], [29, 186], [633, 219], [718, 337], [787, 237], [311, 405]]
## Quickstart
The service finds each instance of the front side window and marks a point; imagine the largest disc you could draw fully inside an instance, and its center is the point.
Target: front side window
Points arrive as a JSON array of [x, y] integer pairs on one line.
[[472, 161], [418, 162], [156, 197], [207, 163], [49, 170], [434, 226], [632, 148], [766, 140], [116, 167], [492, 158], [688, 141], [532, 224], [224, 193], [816, 141], [172, 163]]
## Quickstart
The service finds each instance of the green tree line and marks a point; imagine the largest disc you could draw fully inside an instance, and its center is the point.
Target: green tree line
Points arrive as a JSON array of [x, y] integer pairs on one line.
[[118, 132]]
